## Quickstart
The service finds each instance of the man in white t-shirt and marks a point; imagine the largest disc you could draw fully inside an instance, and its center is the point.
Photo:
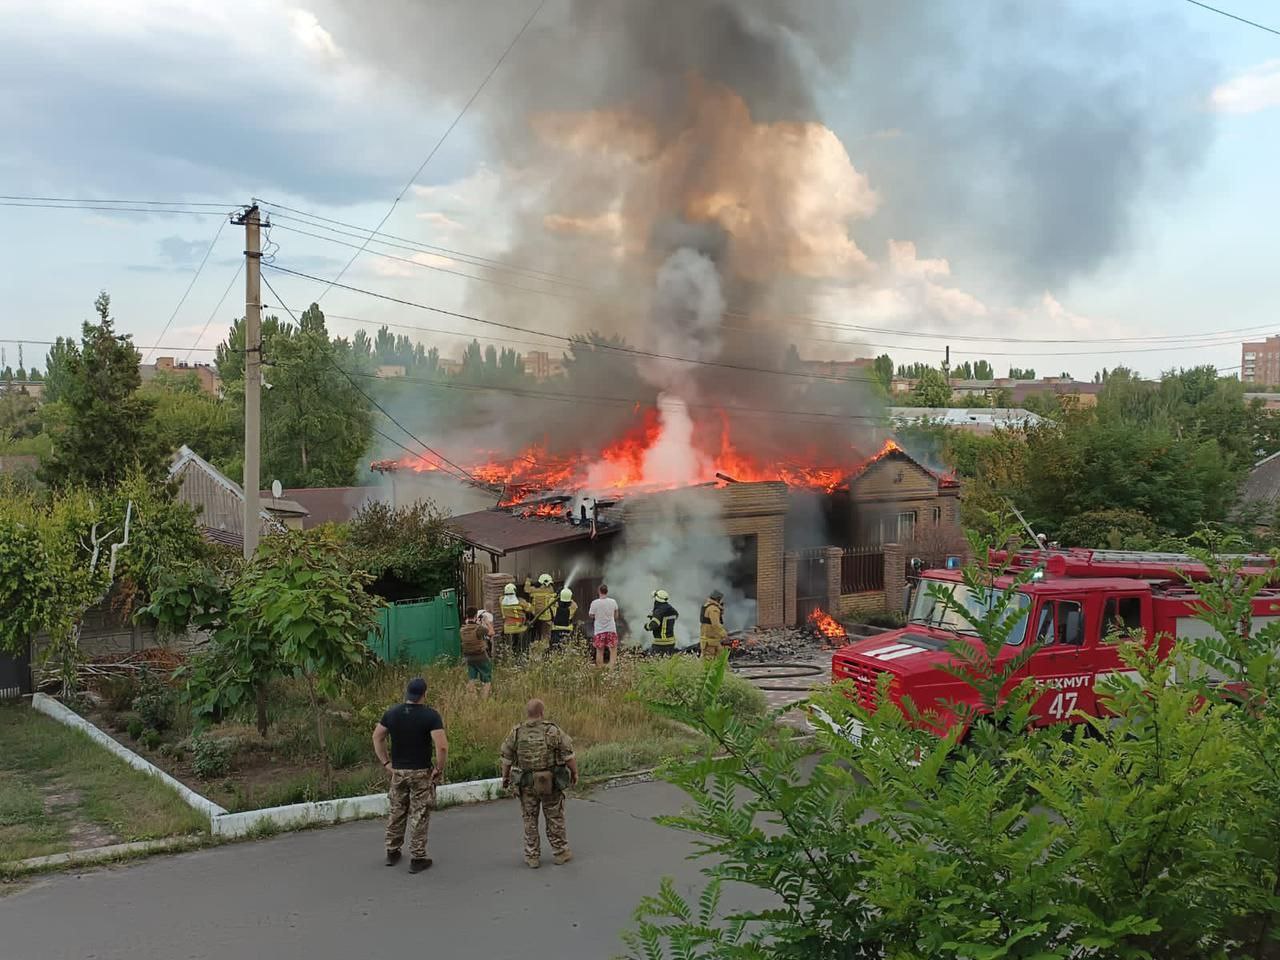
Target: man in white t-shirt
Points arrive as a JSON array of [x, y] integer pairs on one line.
[[604, 620]]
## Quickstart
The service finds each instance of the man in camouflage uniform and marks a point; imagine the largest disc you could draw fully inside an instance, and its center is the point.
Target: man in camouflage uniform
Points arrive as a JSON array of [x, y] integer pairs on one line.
[[419, 750], [537, 757]]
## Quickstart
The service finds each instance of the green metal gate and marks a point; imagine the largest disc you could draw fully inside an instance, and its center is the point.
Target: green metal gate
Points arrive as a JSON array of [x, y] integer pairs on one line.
[[418, 631]]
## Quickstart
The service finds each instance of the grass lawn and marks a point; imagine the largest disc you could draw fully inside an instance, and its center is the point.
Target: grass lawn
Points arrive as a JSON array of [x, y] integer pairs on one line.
[[612, 730], [60, 791]]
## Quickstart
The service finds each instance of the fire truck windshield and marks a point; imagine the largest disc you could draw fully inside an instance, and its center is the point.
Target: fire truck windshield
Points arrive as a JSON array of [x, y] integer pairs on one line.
[[953, 606]]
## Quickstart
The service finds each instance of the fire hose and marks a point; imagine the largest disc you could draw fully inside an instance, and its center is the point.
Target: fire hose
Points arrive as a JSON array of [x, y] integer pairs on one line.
[[796, 671]]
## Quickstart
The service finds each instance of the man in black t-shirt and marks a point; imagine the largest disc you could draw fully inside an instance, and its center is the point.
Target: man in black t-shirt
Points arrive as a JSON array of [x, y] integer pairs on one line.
[[415, 729]]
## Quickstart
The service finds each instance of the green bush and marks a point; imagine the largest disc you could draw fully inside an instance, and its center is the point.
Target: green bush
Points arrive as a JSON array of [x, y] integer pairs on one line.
[[150, 738], [349, 749], [155, 704], [134, 727], [118, 693], [891, 620], [678, 681], [210, 758]]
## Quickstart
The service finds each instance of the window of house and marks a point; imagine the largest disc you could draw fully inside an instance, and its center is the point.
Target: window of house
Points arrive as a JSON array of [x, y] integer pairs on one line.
[[1062, 622], [898, 528], [937, 516], [1122, 614]]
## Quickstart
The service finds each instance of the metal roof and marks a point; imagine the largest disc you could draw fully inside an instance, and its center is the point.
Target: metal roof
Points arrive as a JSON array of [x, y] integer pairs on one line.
[[960, 416], [499, 532]]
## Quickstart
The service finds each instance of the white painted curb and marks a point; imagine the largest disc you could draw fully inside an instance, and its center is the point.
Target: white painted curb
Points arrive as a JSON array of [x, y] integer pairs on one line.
[[297, 815], [52, 708], [290, 817]]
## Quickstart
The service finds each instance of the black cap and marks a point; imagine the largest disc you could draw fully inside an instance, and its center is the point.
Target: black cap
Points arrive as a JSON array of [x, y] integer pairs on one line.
[[416, 689]]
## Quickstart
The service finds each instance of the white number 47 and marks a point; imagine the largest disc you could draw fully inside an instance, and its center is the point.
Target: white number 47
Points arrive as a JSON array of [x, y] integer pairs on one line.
[[1063, 705]]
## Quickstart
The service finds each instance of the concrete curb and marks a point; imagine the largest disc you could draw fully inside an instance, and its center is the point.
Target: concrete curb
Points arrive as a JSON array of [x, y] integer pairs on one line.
[[115, 851], [294, 816], [52, 708]]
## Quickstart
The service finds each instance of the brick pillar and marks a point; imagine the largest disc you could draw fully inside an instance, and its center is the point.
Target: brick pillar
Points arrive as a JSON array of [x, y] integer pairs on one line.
[[790, 571], [769, 573], [493, 584], [833, 557], [895, 577]]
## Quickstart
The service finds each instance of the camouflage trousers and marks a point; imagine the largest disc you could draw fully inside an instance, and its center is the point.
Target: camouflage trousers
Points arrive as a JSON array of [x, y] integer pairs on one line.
[[553, 812], [412, 794]]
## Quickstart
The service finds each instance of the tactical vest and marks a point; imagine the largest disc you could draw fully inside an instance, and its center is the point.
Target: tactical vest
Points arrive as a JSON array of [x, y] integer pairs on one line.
[[535, 747], [473, 642], [562, 616], [704, 616]]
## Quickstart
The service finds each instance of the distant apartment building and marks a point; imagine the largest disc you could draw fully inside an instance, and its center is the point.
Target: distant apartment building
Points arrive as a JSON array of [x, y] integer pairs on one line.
[[204, 373], [541, 365], [387, 371], [1260, 361], [450, 368]]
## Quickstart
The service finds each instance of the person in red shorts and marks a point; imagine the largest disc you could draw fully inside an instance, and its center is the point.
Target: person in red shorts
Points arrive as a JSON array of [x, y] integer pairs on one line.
[[604, 621]]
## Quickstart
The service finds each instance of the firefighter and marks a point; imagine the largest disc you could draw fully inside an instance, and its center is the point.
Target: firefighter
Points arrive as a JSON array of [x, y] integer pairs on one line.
[[563, 611], [515, 620], [712, 632], [541, 597], [662, 624]]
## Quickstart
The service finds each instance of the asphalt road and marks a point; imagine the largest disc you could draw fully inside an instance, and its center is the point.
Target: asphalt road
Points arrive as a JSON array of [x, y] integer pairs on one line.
[[325, 894]]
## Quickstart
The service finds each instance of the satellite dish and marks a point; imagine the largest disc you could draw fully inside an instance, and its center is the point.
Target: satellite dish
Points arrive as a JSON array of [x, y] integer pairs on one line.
[[276, 490]]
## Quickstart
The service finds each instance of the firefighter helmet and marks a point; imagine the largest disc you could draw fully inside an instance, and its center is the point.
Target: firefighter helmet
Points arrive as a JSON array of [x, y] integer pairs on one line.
[[661, 596], [566, 595], [545, 580], [717, 595], [509, 590]]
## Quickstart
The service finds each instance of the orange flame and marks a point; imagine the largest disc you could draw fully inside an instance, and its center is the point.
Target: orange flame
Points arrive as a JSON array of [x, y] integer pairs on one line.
[[826, 625], [620, 466]]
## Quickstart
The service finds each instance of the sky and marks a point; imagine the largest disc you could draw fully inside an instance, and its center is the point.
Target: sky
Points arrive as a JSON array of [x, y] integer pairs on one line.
[[177, 100]]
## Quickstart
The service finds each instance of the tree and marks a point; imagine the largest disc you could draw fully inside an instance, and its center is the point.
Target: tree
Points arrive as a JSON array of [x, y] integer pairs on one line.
[[982, 370], [1109, 529], [883, 368], [407, 551], [1018, 373], [316, 424], [102, 427], [297, 609], [56, 369], [186, 414], [933, 390]]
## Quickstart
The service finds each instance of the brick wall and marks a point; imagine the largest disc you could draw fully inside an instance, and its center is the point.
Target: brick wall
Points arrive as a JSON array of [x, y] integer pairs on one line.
[[790, 573], [493, 584], [770, 575], [834, 557], [861, 604], [895, 577]]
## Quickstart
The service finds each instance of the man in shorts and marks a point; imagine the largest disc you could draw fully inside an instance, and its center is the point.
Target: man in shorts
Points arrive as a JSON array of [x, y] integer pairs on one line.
[[604, 622], [477, 651]]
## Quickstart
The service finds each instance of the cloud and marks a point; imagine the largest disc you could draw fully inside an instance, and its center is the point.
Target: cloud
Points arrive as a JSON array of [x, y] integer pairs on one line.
[[179, 251], [1258, 88], [312, 36]]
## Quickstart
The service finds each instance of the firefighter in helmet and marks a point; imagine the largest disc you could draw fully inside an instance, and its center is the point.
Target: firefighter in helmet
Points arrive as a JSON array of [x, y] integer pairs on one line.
[[712, 633], [662, 624], [541, 597], [563, 610], [515, 619]]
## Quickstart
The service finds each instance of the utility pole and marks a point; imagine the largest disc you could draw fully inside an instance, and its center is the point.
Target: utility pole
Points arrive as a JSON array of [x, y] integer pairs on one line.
[[252, 372]]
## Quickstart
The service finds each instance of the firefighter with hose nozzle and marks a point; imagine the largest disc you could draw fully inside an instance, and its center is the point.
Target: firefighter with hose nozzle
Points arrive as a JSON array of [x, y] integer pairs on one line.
[[541, 597], [515, 620], [662, 624], [562, 614], [712, 632]]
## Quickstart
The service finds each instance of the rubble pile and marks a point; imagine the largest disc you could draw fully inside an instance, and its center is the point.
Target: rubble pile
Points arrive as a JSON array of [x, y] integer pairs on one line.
[[779, 645]]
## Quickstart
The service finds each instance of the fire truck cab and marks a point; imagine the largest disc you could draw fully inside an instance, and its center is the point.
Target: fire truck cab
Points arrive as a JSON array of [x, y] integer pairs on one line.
[[1075, 601]]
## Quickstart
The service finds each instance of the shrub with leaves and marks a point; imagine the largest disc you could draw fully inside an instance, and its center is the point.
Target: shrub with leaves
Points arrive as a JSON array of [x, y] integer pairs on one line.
[[154, 703], [210, 757], [680, 680], [1152, 834]]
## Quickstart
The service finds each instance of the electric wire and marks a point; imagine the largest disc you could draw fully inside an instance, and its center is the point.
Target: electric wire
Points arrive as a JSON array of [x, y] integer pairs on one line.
[[163, 203], [477, 260], [439, 143], [187, 292], [1260, 26], [214, 311], [110, 209], [465, 474]]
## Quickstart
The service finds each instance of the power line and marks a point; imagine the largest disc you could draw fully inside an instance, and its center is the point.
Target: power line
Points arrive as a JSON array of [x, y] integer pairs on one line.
[[51, 343], [214, 311], [186, 293], [111, 209], [435, 453], [488, 263], [163, 203], [1260, 26], [439, 143]]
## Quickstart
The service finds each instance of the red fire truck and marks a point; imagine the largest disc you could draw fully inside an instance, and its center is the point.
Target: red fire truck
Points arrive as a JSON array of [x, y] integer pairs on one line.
[[1077, 598]]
